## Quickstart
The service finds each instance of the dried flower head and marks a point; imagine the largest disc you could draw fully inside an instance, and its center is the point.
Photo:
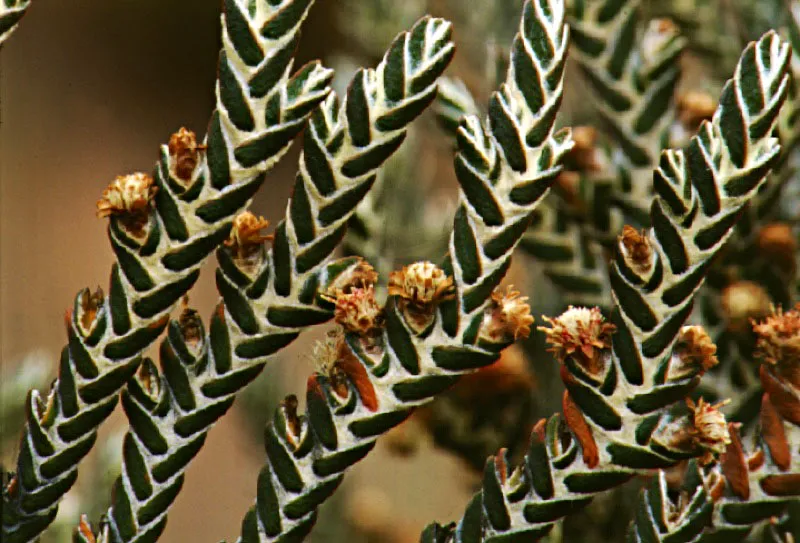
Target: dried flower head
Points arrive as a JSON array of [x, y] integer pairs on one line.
[[743, 301], [185, 153], [579, 332], [778, 244], [694, 107], [360, 275], [246, 241], [508, 317], [191, 326], [709, 428], [636, 249], [358, 311], [779, 342], [337, 362], [294, 425], [694, 353], [88, 307], [129, 197], [421, 284]]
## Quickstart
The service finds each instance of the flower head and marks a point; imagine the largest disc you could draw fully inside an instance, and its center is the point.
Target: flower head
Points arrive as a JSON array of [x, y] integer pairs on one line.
[[90, 303], [191, 327], [185, 153], [509, 317], [694, 353], [709, 427], [128, 196], [579, 332], [246, 240], [359, 275], [421, 284], [636, 249], [779, 342], [358, 311]]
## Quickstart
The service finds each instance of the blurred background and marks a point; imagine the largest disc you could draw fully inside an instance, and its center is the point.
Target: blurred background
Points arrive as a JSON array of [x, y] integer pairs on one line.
[[89, 89]]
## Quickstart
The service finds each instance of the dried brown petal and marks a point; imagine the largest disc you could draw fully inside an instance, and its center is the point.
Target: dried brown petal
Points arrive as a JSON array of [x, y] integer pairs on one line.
[[734, 465], [785, 400], [577, 423], [781, 485], [357, 374], [85, 529], [774, 434]]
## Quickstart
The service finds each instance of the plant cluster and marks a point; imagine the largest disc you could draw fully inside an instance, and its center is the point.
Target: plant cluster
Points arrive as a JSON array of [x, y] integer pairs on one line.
[[637, 227]]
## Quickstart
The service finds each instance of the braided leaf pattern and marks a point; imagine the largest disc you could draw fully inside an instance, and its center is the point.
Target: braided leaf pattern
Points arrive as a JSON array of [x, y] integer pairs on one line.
[[190, 215], [617, 416], [504, 171], [633, 72], [724, 502], [736, 376], [660, 519], [269, 297], [11, 11], [570, 258]]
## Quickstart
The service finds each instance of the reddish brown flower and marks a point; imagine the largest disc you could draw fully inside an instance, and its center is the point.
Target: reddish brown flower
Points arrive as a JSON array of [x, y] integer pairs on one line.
[[358, 311], [419, 288], [421, 284], [709, 428], [128, 197], [246, 241], [360, 275], [779, 343], [185, 153], [509, 317], [579, 332], [636, 249], [695, 353], [90, 304]]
